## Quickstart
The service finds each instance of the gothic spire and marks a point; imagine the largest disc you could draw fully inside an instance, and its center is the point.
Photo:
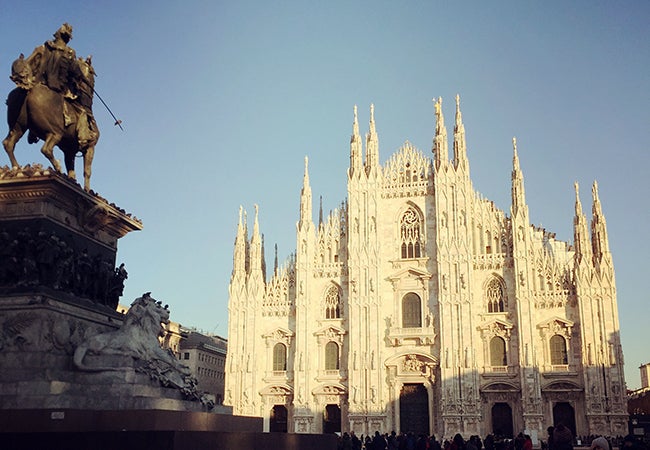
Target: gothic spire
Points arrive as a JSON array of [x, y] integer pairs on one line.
[[518, 194], [599, 239], [275, 261], [239, 255], [355, 148], [440, 151], [305, 200], [581, 240], [320, 212], [263, 259], [460, 147], [256, 244], [372, 145]]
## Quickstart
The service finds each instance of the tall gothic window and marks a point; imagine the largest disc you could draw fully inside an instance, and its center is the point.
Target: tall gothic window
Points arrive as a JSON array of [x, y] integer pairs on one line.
[[558, 350], [495, 296], [331, 356], [411, 311], [411, 234], [333, 303], [279, 357], [498, 352]]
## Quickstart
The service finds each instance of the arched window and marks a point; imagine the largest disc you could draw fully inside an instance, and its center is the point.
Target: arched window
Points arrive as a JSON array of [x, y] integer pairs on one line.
[[331, 356], [279, 357], [558, 350], [498, 352], [411, 311], [333, 303], [411, 234], [495, 296]]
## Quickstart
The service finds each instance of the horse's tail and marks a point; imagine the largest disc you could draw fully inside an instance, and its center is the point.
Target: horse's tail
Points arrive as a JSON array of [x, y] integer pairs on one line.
[[15, 105]]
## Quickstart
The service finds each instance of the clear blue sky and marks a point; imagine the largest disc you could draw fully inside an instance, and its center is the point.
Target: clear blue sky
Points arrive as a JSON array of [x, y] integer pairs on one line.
[[221, 101]]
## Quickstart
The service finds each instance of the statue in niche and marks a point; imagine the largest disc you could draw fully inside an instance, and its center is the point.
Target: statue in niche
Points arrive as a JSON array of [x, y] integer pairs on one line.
[[53, 102]]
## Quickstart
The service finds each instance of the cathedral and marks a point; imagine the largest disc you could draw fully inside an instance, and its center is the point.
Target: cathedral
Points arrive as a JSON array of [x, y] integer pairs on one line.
[[419, 306]]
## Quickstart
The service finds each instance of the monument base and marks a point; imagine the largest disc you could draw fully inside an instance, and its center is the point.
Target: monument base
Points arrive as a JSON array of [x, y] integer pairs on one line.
[[39, 336], [144, 429]]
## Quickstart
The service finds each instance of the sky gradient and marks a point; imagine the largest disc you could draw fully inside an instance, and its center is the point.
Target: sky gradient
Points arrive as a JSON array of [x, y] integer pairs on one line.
[[221, 101]]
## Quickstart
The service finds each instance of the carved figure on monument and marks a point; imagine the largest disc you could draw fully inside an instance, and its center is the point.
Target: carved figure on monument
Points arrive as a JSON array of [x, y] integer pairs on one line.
[[83, 266], [117, 286], [53, 102], [138, 338]]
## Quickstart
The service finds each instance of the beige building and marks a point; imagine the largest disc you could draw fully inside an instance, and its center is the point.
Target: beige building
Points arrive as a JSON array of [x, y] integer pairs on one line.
[[419, 305], [205, 355]]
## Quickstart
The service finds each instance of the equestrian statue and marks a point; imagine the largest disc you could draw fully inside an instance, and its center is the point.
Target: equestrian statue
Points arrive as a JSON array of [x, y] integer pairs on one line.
[[53, 102]]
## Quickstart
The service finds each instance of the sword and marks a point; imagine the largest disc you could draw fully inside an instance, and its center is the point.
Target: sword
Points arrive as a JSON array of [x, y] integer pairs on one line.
[[118, 122]]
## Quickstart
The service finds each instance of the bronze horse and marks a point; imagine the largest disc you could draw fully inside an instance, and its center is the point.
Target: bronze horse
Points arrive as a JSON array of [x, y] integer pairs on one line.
[[40, 110]]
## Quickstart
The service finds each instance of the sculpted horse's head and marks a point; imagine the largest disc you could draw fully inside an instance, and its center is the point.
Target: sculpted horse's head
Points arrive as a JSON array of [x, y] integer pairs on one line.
[[22, 73]]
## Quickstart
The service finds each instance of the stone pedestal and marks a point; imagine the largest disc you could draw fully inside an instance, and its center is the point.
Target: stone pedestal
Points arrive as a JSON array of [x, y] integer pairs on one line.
[[39, 335], [58, 239], [59, 286]]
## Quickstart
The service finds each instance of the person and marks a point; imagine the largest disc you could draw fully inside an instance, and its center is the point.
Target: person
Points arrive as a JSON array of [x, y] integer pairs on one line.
[[458, 443], [528, 443], [378, 442], [562, 438], [631, 443], [600, 443], [55, 65], [549, 444]]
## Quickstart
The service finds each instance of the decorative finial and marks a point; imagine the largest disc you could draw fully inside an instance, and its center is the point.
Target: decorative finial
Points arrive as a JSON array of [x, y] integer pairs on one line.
[[514, 145]]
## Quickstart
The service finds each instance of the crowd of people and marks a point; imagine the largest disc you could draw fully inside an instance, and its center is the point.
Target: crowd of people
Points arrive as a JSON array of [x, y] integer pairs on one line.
[[559, 438]]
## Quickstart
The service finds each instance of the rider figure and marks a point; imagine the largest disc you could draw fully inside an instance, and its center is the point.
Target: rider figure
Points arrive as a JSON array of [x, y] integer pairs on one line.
[[55, 65]]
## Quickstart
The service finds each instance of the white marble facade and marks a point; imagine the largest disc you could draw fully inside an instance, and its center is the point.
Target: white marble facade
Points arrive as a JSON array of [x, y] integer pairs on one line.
[[419, 305]]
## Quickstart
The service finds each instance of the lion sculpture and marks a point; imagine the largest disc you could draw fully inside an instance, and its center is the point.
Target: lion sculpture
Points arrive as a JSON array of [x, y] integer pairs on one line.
[[138, 338]]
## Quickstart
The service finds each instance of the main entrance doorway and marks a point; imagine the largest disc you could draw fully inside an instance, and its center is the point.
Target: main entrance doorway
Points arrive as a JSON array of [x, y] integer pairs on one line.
[[563, 413], [414, 409], [278, 422], [502, 420], [332, 419]]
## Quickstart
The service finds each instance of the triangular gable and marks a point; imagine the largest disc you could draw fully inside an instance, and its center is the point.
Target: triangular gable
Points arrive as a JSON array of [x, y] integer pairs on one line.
[[330, 389], [279, 335], [554, 321], [505, 324], [409, 272], [421, 356], [330, 330], [277, 389]]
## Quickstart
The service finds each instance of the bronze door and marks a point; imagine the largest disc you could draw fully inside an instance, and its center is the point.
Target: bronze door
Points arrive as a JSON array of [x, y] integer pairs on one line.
[[414, 409]]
